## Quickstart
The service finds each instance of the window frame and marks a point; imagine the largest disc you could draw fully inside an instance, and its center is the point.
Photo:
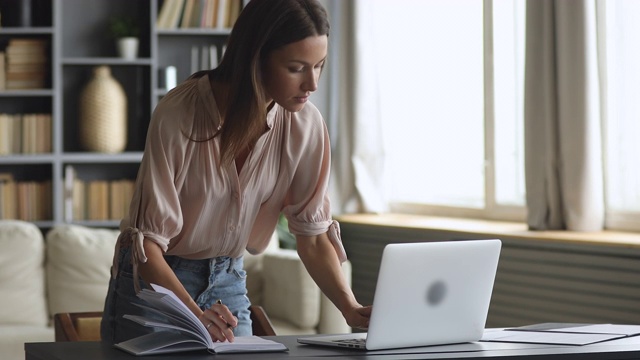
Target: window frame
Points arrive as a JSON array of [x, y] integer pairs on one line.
[[491, 210]]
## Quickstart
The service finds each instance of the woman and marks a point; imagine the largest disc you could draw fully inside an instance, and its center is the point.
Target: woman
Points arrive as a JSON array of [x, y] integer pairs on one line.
[[227, 151]]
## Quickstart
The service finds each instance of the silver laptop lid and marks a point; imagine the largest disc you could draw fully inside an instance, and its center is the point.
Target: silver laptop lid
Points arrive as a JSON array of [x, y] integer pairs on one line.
[[433, 293]]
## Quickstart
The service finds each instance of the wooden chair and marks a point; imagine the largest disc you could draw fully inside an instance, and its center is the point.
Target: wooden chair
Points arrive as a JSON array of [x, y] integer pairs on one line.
[[85, 326], [80, 326], [260, 323]]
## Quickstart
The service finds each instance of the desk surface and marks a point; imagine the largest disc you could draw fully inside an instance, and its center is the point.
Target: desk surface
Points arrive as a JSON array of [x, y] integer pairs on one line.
[[613, 350]]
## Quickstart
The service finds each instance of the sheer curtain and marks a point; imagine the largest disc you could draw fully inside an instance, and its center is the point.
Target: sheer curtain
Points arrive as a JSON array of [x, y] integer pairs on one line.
[[563, 156], [358, 157]]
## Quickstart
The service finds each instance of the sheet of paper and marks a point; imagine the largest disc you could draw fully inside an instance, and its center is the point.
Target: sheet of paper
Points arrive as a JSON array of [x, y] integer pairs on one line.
[[547, 337], [628, 330]]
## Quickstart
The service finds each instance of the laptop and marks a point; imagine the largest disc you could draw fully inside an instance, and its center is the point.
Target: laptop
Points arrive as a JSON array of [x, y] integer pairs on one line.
[[427, 293]]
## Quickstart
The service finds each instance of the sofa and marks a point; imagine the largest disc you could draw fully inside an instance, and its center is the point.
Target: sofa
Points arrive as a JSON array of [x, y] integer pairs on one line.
[[67, 270]]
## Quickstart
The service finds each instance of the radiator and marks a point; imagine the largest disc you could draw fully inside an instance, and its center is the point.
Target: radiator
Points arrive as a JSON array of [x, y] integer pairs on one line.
[[537, 281]]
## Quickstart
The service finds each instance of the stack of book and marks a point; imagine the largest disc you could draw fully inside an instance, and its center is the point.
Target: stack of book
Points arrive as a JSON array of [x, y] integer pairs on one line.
[[99, 200], [25, 134], [26, 64], [24, 200], [217, 14]]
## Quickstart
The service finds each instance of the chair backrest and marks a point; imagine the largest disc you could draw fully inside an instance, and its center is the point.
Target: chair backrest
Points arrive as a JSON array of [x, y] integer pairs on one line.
[[80, 326], [260, 323], [85, 326]]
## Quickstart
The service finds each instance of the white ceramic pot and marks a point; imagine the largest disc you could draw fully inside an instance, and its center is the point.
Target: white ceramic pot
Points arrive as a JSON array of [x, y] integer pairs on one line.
[[128, 48]]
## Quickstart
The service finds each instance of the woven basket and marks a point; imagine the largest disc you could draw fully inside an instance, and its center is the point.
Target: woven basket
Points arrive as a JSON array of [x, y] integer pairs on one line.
[[103, 113]]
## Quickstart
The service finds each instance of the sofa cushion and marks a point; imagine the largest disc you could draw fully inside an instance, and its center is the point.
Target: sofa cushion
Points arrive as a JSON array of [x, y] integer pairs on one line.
[[253, 267], [290, 293], [284, 327], [78, 267], [22, 283]]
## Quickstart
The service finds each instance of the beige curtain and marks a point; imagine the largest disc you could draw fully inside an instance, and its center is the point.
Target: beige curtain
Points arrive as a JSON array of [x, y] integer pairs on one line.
[[357, 157], [563, 160]]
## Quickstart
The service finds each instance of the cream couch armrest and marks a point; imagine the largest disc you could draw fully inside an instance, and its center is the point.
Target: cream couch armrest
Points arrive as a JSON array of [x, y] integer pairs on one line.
[[289, 292], [331, 319], [22, 276]]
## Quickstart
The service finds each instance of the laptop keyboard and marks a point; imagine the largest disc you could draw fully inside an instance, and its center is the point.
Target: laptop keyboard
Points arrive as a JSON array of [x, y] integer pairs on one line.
[[355, 343]]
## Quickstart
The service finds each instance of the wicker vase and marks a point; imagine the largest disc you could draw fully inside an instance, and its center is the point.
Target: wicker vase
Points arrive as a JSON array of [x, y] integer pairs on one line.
[[103, 113]]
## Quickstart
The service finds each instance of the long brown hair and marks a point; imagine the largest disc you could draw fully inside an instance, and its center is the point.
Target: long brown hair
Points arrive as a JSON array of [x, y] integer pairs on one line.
[[262, 27]]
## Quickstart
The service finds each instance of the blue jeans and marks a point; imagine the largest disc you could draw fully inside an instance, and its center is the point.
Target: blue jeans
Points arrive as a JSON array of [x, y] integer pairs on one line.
[[205, 280]]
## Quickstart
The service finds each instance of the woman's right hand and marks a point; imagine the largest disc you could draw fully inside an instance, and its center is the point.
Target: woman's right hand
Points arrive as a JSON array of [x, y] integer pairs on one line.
[[358, 317], [220, 322]]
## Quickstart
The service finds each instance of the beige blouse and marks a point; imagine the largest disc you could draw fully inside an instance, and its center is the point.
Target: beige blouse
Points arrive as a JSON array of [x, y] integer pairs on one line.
[[193, 209]]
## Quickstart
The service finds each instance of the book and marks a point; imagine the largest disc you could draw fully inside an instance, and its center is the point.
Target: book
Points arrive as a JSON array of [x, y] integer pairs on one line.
[[222, 14], [120, 193], [190, 11], [234, 12], [204, 58], [79, 200], [69, 178], [176, 14], [165, 14], [208, 13], [6, 134], [3, 76], [98, 200], [213, 56], [44, 133], [183, 331], [194, 59], [8, 203]]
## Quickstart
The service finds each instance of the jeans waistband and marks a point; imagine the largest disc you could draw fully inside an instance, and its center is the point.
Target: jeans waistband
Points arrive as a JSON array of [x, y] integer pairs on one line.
[[203, 265]]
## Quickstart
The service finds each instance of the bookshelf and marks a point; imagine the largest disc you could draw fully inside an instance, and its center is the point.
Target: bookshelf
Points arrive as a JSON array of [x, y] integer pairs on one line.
[[75, 34]]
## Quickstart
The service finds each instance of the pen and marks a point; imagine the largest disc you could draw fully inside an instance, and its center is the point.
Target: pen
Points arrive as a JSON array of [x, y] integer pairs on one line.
[[219, 302]]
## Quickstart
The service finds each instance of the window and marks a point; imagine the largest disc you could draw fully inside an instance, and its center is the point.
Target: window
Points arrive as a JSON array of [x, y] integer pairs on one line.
[[451, 102], [452, 116], [620, 61]]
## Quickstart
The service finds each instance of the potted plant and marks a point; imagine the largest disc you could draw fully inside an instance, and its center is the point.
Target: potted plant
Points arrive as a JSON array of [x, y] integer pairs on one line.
[[124, 30]]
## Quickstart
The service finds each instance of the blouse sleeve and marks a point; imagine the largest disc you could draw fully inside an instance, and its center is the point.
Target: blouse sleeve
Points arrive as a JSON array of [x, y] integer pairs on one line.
[[155, 211], [308, 208]]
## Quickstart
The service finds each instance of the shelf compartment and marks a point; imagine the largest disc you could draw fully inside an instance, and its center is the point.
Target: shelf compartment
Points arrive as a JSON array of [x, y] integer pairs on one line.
[[87, 36], [30, 67], [26, 126], [135, 80], [36, 102], [26, 192], [98, 193], [27, 15], [175, 51]]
